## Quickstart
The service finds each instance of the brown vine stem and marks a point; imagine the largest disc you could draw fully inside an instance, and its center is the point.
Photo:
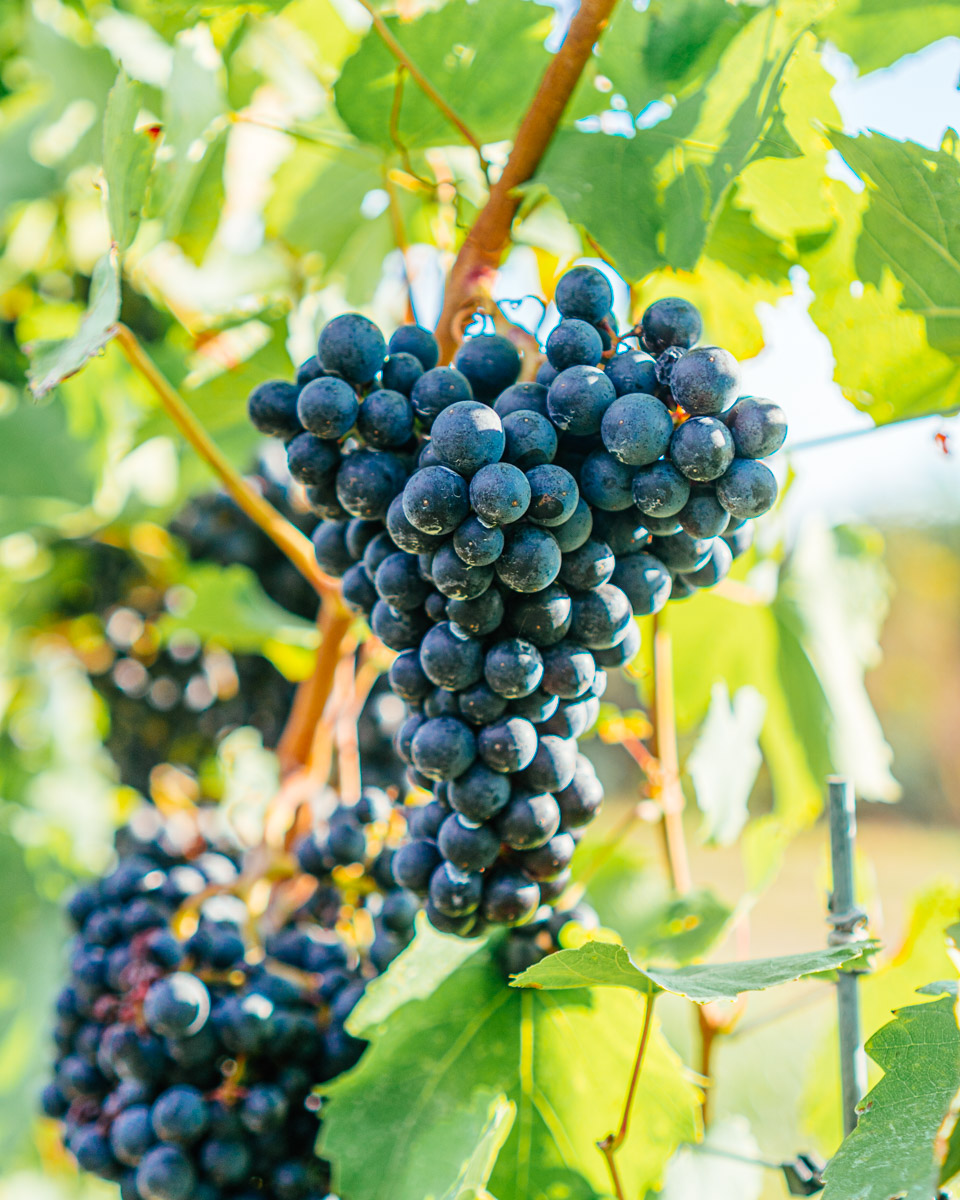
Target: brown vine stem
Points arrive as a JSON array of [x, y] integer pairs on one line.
[[484, 245], [609, 1146], [314, 692], [668, 790], [295, 545], [422, 82]]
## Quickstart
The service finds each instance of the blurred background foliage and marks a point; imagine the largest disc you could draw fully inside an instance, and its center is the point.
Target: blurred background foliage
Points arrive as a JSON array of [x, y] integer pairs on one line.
[[260, 167]]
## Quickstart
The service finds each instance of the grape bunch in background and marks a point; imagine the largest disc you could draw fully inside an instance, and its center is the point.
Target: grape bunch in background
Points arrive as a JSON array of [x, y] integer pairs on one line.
[[501, 536], [194, 1029]]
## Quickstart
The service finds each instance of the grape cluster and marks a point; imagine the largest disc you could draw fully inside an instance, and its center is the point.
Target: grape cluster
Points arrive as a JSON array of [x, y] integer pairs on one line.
[[191, 1037], [215, 530], [501, 536]]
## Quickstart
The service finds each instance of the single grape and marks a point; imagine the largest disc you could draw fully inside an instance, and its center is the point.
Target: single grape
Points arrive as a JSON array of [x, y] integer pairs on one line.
[[660, 490], [412, 339], [601, 617], [581, 800], [455, 579], [542, 617], [584, 293], [553, 766], [436, 389], [522, 397], [490, 362], [330, 547], [367, 482], [499, 494], [453, 892], [507, 745], [450, 660], [758, 427], [549, 860], [553, 495], [574, 343], [530, 439], [352, 346], [311, 460], [479, 793], [165, 1173], [177, 1005], [645, 581], [510, 898], [386, 418], [588, 566], [681, 552], [513, 668], [578, 399], [577, 528], [443, 748], [703, 516], [272, 408], [705, 381], [624, 652], [606, 483], [397, 630], [479, 616], [398, 582], [479, 704], [414, 863], [632, 371], [436, 500], [528, 820], [400, 372], [670, 321], [748, 489], [180, 1115], [636, 429], [477, 544], [328, 407], [568, 670], [467, 436], [406, 535], [466, 845], [530, 560]]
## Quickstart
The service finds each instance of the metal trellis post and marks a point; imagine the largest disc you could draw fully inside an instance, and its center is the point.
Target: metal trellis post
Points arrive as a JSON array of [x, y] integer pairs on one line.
[[848, 928]]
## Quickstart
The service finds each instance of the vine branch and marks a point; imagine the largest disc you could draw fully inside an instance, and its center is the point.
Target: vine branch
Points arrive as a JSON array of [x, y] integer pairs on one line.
[[294, 544], [480, 253], [609, 1146], [668, 789]]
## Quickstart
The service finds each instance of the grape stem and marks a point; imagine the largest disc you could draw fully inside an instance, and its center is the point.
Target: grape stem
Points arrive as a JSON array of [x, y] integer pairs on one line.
[[423, 83], [294, 544], [609, 1145], [667, 789], [486, 241]]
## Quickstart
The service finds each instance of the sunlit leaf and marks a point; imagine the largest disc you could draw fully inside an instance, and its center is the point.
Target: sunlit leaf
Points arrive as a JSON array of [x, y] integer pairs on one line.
[[127, 157], [403, 1124], [911, 227], [892, 1150], [52, 362], [600, 964], [485, 61]]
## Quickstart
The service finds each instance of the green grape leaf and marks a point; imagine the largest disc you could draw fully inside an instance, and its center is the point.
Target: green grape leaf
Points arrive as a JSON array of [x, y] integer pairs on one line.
[[631, 896], [194, 105], [52, 362], [884, 362], [602, 964], [893, 1150], [674, 178], [403, 1124], [228, 604], [725, 761], [473, 1178], [911, 227], [598, 179], [875, 33], [484, 60], [127, 158], [665, 48]]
